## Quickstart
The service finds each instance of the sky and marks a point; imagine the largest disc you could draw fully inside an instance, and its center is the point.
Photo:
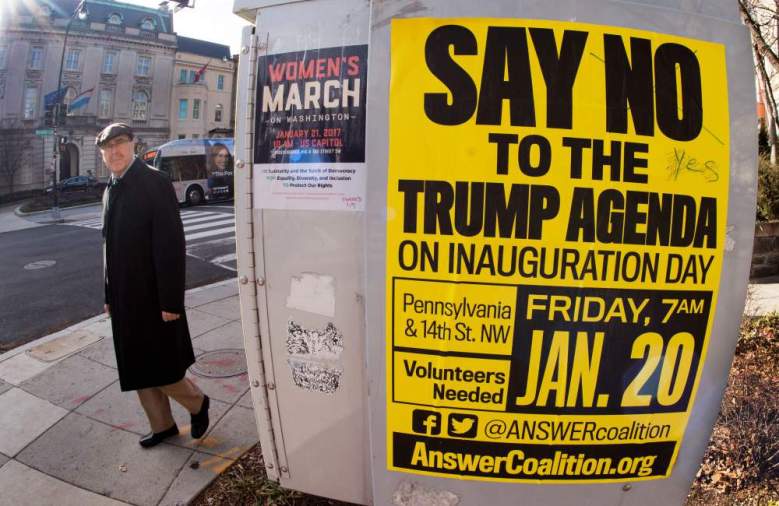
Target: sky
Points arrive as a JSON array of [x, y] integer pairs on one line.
[[211, 20]]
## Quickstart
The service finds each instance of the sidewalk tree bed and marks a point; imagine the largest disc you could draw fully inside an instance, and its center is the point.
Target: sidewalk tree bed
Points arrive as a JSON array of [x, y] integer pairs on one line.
[[45, 202], [741, 464], [245, 483], [9, 198]]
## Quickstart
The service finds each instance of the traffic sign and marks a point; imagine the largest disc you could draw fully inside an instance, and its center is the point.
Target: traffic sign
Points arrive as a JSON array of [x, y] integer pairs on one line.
[[44, 132]]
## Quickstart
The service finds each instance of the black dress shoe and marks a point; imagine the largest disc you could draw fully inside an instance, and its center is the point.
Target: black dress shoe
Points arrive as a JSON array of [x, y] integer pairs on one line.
[[199, 421], [155, 438]]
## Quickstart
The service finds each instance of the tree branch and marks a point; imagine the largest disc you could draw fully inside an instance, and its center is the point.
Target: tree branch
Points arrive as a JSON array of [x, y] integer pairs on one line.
[[757, 35], [770, 102]]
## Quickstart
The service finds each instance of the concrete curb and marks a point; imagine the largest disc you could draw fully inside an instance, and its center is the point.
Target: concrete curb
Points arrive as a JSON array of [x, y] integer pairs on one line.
[[90, 321], [45, 339], [212, 285], [22, 214]]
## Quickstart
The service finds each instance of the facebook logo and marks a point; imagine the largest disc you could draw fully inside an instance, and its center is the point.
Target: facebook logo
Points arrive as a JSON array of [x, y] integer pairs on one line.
[[426, 422]]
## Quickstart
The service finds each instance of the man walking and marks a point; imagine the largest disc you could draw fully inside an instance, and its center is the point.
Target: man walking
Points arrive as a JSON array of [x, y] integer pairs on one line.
[[144, 287]]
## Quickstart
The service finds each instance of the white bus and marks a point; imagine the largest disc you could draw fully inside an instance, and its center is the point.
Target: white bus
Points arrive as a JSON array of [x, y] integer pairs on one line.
[[201, 169]]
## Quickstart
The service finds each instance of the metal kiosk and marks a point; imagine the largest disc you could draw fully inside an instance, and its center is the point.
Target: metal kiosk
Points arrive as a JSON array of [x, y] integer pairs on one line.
[[481, 245]]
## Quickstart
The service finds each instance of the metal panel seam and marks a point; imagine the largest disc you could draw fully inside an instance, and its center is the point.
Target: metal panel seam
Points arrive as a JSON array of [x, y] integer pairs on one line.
[[259, 268], [250, 327]]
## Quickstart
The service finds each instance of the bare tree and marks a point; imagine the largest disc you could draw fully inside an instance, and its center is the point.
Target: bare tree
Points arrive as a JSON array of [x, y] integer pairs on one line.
[[762, 19], [13, 147]]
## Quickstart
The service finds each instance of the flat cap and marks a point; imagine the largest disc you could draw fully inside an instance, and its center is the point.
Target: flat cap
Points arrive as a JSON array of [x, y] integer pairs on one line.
[[113, 130]]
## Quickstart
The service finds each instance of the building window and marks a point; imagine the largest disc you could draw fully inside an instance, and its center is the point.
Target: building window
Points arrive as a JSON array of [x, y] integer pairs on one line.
[[182, 136], [192, 76], [220, 82], [143, 66], [147, 24], [196, 109], [195, 136], [183, 75], [71, 59], [2, 88], [114, 19], [140, 105], [30, 102], [218, 113], [3, 56], [36, 58], [183, 106], [105, 100], [109, 62]]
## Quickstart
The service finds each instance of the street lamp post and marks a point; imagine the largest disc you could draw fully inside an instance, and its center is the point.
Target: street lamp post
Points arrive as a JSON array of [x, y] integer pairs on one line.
[[80, 12]]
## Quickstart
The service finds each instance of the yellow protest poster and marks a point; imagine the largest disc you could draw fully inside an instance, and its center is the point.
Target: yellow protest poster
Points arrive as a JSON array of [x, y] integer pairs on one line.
[[556, 210]]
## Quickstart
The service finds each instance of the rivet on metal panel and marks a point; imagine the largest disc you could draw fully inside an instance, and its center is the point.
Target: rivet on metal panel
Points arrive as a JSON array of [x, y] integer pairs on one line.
[[245, 49], [627, 487], [269, 466], [271, 386], [243, 280], [284, 469], [255, 383], [261, 281]]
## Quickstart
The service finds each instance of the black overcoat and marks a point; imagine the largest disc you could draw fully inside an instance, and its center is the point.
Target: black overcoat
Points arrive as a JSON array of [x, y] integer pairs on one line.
[[145, 271]]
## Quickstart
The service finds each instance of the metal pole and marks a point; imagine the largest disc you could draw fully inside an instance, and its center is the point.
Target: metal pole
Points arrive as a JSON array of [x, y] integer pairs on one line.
[[56, 216]]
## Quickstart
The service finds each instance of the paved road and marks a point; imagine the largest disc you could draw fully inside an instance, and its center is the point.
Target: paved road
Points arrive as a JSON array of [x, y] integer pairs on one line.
[[209, 231], [51, 274]]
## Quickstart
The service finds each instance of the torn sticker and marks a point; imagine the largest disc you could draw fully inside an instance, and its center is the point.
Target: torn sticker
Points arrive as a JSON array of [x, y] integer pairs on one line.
[[314, 376], [313, 357], [730, 243], [414, 494], [327, 343], [314, 293]]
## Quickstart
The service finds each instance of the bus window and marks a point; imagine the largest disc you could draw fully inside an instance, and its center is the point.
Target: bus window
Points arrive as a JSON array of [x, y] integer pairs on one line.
[[185, 168], [166, 165]]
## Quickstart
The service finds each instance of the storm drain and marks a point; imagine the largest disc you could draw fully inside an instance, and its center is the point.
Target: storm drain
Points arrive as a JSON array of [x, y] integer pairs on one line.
[[220, 364]]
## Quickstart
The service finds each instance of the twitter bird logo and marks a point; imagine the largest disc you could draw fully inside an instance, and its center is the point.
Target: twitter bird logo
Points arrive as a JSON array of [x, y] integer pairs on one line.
[[463, 425]]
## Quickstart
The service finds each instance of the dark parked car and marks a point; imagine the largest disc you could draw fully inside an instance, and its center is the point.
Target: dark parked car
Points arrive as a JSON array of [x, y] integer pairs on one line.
[[80, 184]]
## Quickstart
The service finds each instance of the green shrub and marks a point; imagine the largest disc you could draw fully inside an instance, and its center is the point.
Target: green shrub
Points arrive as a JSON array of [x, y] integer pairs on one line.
[[762, 141]]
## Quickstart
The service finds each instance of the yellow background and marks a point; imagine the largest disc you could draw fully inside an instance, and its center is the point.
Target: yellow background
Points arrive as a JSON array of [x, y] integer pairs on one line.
[[422, 149], [450, 292], [420, 390]]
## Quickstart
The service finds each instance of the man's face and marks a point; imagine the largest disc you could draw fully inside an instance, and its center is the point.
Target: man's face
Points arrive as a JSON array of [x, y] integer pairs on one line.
[[118, 153]]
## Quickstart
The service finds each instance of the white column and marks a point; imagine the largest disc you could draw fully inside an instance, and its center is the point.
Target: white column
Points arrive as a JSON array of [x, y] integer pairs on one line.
[[87, 156]]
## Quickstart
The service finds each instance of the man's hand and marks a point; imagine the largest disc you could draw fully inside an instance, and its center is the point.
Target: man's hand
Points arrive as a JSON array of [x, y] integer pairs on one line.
[[169, 317], [107, 309]]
